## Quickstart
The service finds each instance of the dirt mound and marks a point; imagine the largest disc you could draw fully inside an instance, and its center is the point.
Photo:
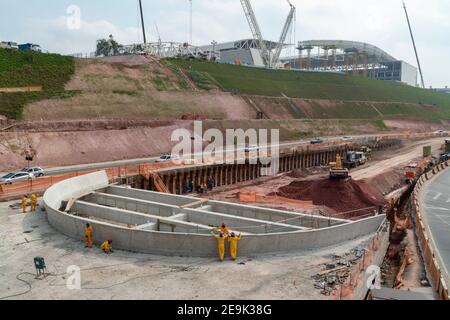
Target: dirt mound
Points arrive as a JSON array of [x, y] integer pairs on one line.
[[129, 60], [338, 195]]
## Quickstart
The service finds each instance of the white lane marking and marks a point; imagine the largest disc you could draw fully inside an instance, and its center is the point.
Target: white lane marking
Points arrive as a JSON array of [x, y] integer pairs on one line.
[[440, 218], [437, 208], [437, 196]]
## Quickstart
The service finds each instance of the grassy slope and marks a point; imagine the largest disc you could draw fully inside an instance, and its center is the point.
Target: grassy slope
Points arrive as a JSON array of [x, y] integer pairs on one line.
[[21, 69], [311, 85]]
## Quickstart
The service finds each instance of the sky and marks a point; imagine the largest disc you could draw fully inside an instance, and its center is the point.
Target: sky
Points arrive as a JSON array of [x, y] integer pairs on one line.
[[378, 22]]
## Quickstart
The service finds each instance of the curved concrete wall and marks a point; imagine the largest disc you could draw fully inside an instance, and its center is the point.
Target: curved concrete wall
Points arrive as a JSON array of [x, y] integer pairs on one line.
[[183, 244]]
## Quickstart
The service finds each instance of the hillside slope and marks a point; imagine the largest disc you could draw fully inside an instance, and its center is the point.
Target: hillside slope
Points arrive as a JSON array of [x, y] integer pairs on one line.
[[24, 69], [135, 87], [328, 86]]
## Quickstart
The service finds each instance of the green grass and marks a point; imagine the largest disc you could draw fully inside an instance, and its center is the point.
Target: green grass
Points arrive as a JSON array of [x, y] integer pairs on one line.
[[130, 93], [22, 69], [201, 80], [312, 85], [299, 134]]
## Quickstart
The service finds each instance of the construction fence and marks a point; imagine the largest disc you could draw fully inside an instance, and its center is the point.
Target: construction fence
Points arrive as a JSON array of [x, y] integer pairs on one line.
[[432, 260], [358, 280], [39, 185]]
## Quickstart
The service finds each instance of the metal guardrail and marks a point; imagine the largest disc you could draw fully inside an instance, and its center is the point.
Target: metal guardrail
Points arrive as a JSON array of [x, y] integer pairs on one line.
[[433, 262]]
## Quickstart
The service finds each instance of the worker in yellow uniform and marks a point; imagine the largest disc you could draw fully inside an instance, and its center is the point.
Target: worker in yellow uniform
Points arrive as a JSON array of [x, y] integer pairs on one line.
[[107, 246], [220, 244], [223, 229], [33, 202], [233, 241], [88, 235], [24, 203]]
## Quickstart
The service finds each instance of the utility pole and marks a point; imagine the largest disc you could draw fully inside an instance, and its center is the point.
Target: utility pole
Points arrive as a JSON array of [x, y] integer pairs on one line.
[[190, 22], [142, 21], [414, 44]]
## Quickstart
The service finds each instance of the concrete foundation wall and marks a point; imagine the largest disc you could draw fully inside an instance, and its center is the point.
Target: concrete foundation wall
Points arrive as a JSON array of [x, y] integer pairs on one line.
[[239, 224], [151, 196], [286, 217], [141, 206], [183, 244]]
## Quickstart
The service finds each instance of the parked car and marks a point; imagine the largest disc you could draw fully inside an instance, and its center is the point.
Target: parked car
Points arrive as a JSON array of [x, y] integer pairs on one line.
[[251, 148], [12, 177], [167, 157], [317, 141], [445, 156], [36, 171]]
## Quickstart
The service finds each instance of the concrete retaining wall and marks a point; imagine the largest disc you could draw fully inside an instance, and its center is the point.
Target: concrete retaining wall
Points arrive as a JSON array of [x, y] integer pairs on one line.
[[183, 244]]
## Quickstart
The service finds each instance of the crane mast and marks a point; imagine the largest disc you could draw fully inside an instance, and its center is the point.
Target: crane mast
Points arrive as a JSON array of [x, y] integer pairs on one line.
[[256, 31], [286, 28]]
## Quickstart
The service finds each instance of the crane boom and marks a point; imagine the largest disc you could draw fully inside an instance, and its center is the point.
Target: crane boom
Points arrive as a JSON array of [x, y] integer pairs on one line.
[[256, 31], [286, 28]]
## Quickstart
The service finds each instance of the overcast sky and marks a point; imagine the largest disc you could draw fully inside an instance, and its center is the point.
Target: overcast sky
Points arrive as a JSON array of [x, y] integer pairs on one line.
[[379, 22]]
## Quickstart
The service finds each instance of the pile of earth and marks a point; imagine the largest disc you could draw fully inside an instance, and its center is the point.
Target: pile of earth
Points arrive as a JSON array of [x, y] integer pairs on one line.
[[342, 196]]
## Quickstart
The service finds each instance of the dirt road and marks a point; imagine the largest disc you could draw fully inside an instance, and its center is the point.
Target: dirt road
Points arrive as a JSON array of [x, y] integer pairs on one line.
[[411, 151]]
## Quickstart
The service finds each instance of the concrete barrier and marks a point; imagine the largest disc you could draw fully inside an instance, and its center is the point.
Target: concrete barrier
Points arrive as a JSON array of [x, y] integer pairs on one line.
[[432, 259], [185, 244]]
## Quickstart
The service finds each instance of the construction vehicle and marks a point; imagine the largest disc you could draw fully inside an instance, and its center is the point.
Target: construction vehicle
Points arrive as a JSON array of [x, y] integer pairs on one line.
[[367, 151], [337, 169], [354, 159]]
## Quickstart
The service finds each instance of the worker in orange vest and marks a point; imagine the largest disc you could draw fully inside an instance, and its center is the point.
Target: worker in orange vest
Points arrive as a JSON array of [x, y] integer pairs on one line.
[[24, 203], [88, 234]]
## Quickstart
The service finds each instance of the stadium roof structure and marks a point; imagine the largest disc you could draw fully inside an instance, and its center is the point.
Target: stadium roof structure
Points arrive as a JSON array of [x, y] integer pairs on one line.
[[349, 47], [240, 44]]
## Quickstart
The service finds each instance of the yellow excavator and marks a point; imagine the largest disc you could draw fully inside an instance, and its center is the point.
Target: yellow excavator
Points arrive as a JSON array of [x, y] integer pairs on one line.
[[337, 170]]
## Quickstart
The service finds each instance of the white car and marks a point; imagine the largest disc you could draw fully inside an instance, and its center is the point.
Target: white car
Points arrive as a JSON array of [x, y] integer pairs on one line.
[[12, 177], [167, 157], [440, 131], [347, 138], [251, 148], [36, 171]]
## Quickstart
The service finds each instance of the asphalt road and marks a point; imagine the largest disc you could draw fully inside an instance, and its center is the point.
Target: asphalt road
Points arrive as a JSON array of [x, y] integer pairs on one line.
[[362, 139], [103, 165], [436, 215]]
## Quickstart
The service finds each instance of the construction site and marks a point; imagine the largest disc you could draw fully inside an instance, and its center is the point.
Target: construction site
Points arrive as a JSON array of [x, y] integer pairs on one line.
[[336, 209]]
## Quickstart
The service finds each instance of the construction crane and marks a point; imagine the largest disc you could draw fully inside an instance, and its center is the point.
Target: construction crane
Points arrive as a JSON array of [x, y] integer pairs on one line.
[[414, 45], [284, 33], [142, 21], [256, 31]]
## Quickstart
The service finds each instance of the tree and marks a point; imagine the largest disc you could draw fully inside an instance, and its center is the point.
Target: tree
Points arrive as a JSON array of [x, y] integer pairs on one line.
[[108, 47]]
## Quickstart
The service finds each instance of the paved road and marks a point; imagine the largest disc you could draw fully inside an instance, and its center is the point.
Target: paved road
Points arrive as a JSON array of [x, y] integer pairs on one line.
[[285, 145], [436, 199], [103, 165]]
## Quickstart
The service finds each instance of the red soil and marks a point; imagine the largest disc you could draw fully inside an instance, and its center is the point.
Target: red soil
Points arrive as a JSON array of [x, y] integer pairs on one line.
[[338, 195]]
